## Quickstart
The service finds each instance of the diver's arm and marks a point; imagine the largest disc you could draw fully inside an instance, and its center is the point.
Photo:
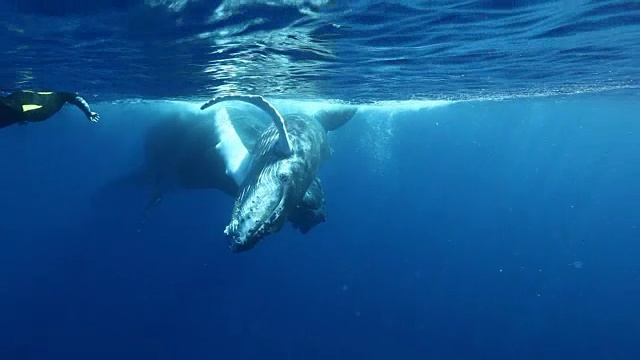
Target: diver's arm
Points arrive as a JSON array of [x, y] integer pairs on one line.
[[79, 102]]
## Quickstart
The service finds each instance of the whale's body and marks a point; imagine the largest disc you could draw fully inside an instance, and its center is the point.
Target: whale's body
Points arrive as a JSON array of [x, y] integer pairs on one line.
[[184, 152], [282, 166]]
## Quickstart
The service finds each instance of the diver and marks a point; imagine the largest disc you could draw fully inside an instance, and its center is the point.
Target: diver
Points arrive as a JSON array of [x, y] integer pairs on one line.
[[25, 106]]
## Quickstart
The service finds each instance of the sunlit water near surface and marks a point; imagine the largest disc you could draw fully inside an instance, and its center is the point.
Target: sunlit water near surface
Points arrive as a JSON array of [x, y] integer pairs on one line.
[[358, 51], [483, 204]]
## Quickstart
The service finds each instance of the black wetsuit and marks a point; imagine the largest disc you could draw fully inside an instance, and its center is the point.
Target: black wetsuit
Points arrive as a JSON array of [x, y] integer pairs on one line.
[[28, 106]]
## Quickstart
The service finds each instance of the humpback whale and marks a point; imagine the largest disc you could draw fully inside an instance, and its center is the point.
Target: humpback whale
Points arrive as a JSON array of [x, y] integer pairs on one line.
[[282, 166], [184, 152]]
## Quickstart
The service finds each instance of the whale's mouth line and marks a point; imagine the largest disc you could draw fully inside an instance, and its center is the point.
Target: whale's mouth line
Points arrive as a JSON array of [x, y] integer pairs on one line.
[[245, 240]]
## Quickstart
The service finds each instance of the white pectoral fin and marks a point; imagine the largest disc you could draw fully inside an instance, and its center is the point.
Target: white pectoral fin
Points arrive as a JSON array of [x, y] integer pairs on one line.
[[235, 154], [284, 143]]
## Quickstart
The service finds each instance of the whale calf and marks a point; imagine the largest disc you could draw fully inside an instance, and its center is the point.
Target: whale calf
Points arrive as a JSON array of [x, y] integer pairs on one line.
[[282, 166]]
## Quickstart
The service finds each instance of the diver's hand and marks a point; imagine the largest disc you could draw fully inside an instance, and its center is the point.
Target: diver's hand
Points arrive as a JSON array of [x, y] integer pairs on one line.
[[94, 117]]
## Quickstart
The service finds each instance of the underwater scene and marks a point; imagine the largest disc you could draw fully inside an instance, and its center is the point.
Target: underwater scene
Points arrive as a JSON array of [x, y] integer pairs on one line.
[[320, 179]]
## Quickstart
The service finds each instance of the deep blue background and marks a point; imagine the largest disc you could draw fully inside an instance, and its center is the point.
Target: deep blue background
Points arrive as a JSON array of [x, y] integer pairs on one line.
[[477, 230]]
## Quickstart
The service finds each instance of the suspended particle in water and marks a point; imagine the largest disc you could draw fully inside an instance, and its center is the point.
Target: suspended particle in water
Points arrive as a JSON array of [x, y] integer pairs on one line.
[[577, 264]]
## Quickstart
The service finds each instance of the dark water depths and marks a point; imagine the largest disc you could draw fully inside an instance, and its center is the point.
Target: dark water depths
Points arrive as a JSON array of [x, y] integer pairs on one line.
[[484, 229]]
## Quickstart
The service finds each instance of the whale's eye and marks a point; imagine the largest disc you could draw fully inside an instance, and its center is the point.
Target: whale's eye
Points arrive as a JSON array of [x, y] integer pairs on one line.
[[284, 177]]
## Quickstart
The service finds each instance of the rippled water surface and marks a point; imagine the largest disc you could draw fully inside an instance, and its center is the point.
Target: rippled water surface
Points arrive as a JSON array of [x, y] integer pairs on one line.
[[359, 51]]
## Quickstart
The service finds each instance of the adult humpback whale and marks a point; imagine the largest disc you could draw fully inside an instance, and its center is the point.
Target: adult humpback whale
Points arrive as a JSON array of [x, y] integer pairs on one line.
[[283, 164], [183, 152]]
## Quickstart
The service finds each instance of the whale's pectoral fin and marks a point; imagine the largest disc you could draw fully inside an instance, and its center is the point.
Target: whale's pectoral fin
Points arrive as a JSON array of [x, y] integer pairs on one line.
[[333, 119], [117, 188], [249, 126], [284, 143], [234, 153], [311, 211], [155, 199]]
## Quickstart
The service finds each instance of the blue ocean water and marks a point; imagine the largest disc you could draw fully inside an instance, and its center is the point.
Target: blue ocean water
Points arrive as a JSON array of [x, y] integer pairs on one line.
[[483, 204]]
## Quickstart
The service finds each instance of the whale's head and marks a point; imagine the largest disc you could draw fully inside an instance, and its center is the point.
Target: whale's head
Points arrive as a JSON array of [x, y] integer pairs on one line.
[[266, 199]]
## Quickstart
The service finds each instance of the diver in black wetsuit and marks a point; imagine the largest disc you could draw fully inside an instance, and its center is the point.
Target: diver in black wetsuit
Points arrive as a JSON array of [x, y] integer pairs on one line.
[[31, 106]]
